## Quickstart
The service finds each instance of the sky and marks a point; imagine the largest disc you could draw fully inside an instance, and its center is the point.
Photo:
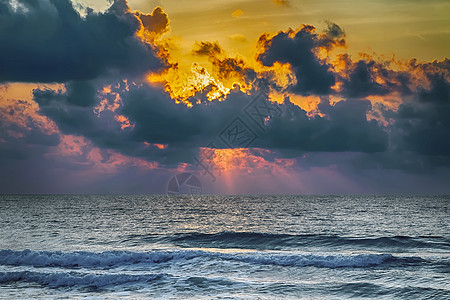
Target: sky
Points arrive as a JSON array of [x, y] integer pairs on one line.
[[251, 97]]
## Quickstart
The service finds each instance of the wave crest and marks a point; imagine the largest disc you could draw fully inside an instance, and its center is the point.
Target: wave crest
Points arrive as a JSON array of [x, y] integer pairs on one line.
[[256, 240], [111, 259], [62, 279]]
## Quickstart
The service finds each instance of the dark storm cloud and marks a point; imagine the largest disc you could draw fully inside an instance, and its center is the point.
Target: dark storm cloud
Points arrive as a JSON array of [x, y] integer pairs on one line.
[[439, 90], [48, 41], [367, 77], [316, 76], [298, 50], [444, 64], [211, 49], [22, 138], [343, 128], [226, 67], [234, 67], [156, 118], [334, 30], [80, 93], [362, 81], [70, 118], [157, 21], [419, 128], [423, 125], [333, 36]]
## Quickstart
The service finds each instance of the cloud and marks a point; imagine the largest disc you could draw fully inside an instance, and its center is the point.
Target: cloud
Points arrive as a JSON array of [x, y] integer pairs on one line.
[[157, 21], [344, 127], [140, 115], [234, 68], [334, 30], [439, 90], [362, 82], [422, 125], [370, 76], [48, 41], [225, 67], [154, 118], [76, 166], [368, 114], [23, 133], [298, 49], [211, 49]]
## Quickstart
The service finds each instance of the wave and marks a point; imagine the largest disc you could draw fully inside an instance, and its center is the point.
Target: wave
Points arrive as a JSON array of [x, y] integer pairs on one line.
[[255, 240], [104, 281], [82, 258], [376, 290], [112, 259], [62, 279]]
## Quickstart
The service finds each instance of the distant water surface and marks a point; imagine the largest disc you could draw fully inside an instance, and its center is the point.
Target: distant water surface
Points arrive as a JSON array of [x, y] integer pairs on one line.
[[224, 247]]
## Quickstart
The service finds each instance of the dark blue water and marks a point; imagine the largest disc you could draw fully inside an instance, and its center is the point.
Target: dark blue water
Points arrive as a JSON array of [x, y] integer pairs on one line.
[[224, 247]]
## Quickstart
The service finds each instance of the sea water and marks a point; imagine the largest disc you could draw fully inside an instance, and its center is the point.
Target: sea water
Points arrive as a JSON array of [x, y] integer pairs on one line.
[[224, 247]]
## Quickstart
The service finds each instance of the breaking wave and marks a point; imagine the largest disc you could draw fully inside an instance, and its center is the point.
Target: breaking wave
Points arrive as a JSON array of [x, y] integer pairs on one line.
[[112, 259]]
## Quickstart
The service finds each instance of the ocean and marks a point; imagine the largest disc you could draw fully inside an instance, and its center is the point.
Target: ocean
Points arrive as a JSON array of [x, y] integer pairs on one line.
[[224, 247]]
